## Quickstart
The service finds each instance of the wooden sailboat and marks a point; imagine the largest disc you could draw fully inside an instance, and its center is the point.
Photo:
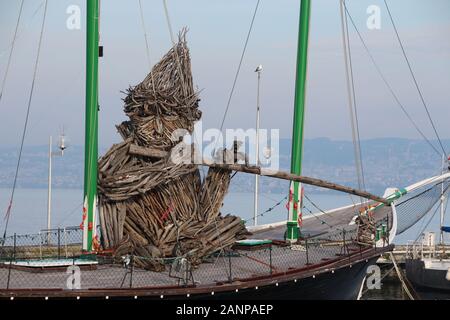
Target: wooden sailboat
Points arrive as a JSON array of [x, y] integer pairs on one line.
[[318, 256]]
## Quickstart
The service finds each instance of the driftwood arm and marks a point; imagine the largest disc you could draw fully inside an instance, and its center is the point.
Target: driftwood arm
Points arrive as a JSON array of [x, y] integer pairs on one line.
[[155, 153], [303, 179]]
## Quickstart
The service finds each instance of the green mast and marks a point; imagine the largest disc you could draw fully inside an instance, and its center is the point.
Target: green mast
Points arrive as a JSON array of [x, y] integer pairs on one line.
[[295, 192], [91, 126]]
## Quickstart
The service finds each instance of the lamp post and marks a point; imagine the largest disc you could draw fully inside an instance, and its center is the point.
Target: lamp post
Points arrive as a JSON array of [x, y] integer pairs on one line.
[[255, 206], [442, 211], [62, 146]]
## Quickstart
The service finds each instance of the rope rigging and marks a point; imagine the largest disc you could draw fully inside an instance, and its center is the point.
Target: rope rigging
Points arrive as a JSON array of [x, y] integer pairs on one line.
[[429, 221], [318, 208], [144, 29], [12, 49], [391, 90], [147, 46], [239, 66], [25, 27], [418, 202], [236, 76], [422, 99], [69, 214], [25, 127], [172, 39], [169, 23], [270, 209], [352, 99]]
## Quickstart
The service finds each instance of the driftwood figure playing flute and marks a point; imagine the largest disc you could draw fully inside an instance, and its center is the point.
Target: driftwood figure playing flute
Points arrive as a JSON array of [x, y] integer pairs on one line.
[[148, 205]]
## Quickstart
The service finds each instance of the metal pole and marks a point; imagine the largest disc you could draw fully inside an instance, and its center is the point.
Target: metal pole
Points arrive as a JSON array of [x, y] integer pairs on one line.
[[65, 241], [91, 129], [40, 245], [15, 244], [307, 251], [346, 252], [295, 198], [59, 243], [49, 194], [270, 257], [12, 257], [442, 203], [387, 229], [131, 271], [421, 251], [255, 207], [230, 278]]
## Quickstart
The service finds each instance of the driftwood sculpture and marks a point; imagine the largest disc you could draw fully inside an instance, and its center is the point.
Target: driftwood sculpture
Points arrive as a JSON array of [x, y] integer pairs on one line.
[[365, 229], [149, 206]]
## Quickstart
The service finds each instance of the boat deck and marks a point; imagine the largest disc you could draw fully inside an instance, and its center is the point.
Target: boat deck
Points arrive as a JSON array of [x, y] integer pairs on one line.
[[246, 265], [327, 247]]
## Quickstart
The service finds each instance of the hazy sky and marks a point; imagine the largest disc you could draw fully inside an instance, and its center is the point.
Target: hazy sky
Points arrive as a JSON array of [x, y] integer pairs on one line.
[[217, 30]]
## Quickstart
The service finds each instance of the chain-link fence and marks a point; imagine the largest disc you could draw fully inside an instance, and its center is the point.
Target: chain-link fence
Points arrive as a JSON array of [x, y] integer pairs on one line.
[[53, 243]]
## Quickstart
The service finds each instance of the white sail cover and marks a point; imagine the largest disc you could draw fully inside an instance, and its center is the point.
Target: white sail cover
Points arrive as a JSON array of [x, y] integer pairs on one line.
[[418, 200]]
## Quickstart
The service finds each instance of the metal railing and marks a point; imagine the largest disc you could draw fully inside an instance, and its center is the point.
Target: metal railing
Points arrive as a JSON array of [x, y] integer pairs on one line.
[[54, 243], [25, 263]]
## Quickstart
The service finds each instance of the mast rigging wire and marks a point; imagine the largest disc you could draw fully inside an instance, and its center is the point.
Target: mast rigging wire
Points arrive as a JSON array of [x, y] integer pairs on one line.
[[391, 90], [239, 66], [25, 27], [12, 49], [169, 23], [431, 218], [352, 98], [24, 132], [144, 29], [236, 76], [172, 39], [322, 211], [269, 209], [147, 46], [69, 214], [414, 78]]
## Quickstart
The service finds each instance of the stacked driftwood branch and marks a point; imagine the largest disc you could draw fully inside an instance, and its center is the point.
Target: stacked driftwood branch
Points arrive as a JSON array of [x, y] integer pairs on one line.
[[148, 205], [365, 229]]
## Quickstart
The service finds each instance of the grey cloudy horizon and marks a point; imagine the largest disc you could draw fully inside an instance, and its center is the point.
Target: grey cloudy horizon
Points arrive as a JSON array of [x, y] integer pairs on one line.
[[217, 31]]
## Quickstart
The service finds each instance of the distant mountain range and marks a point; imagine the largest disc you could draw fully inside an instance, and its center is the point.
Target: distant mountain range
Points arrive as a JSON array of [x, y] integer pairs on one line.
[[386, 162]]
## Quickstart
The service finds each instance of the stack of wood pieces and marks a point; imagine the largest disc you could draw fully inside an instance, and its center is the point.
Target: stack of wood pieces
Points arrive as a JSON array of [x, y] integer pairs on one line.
[[366, 229], [149, 206]]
